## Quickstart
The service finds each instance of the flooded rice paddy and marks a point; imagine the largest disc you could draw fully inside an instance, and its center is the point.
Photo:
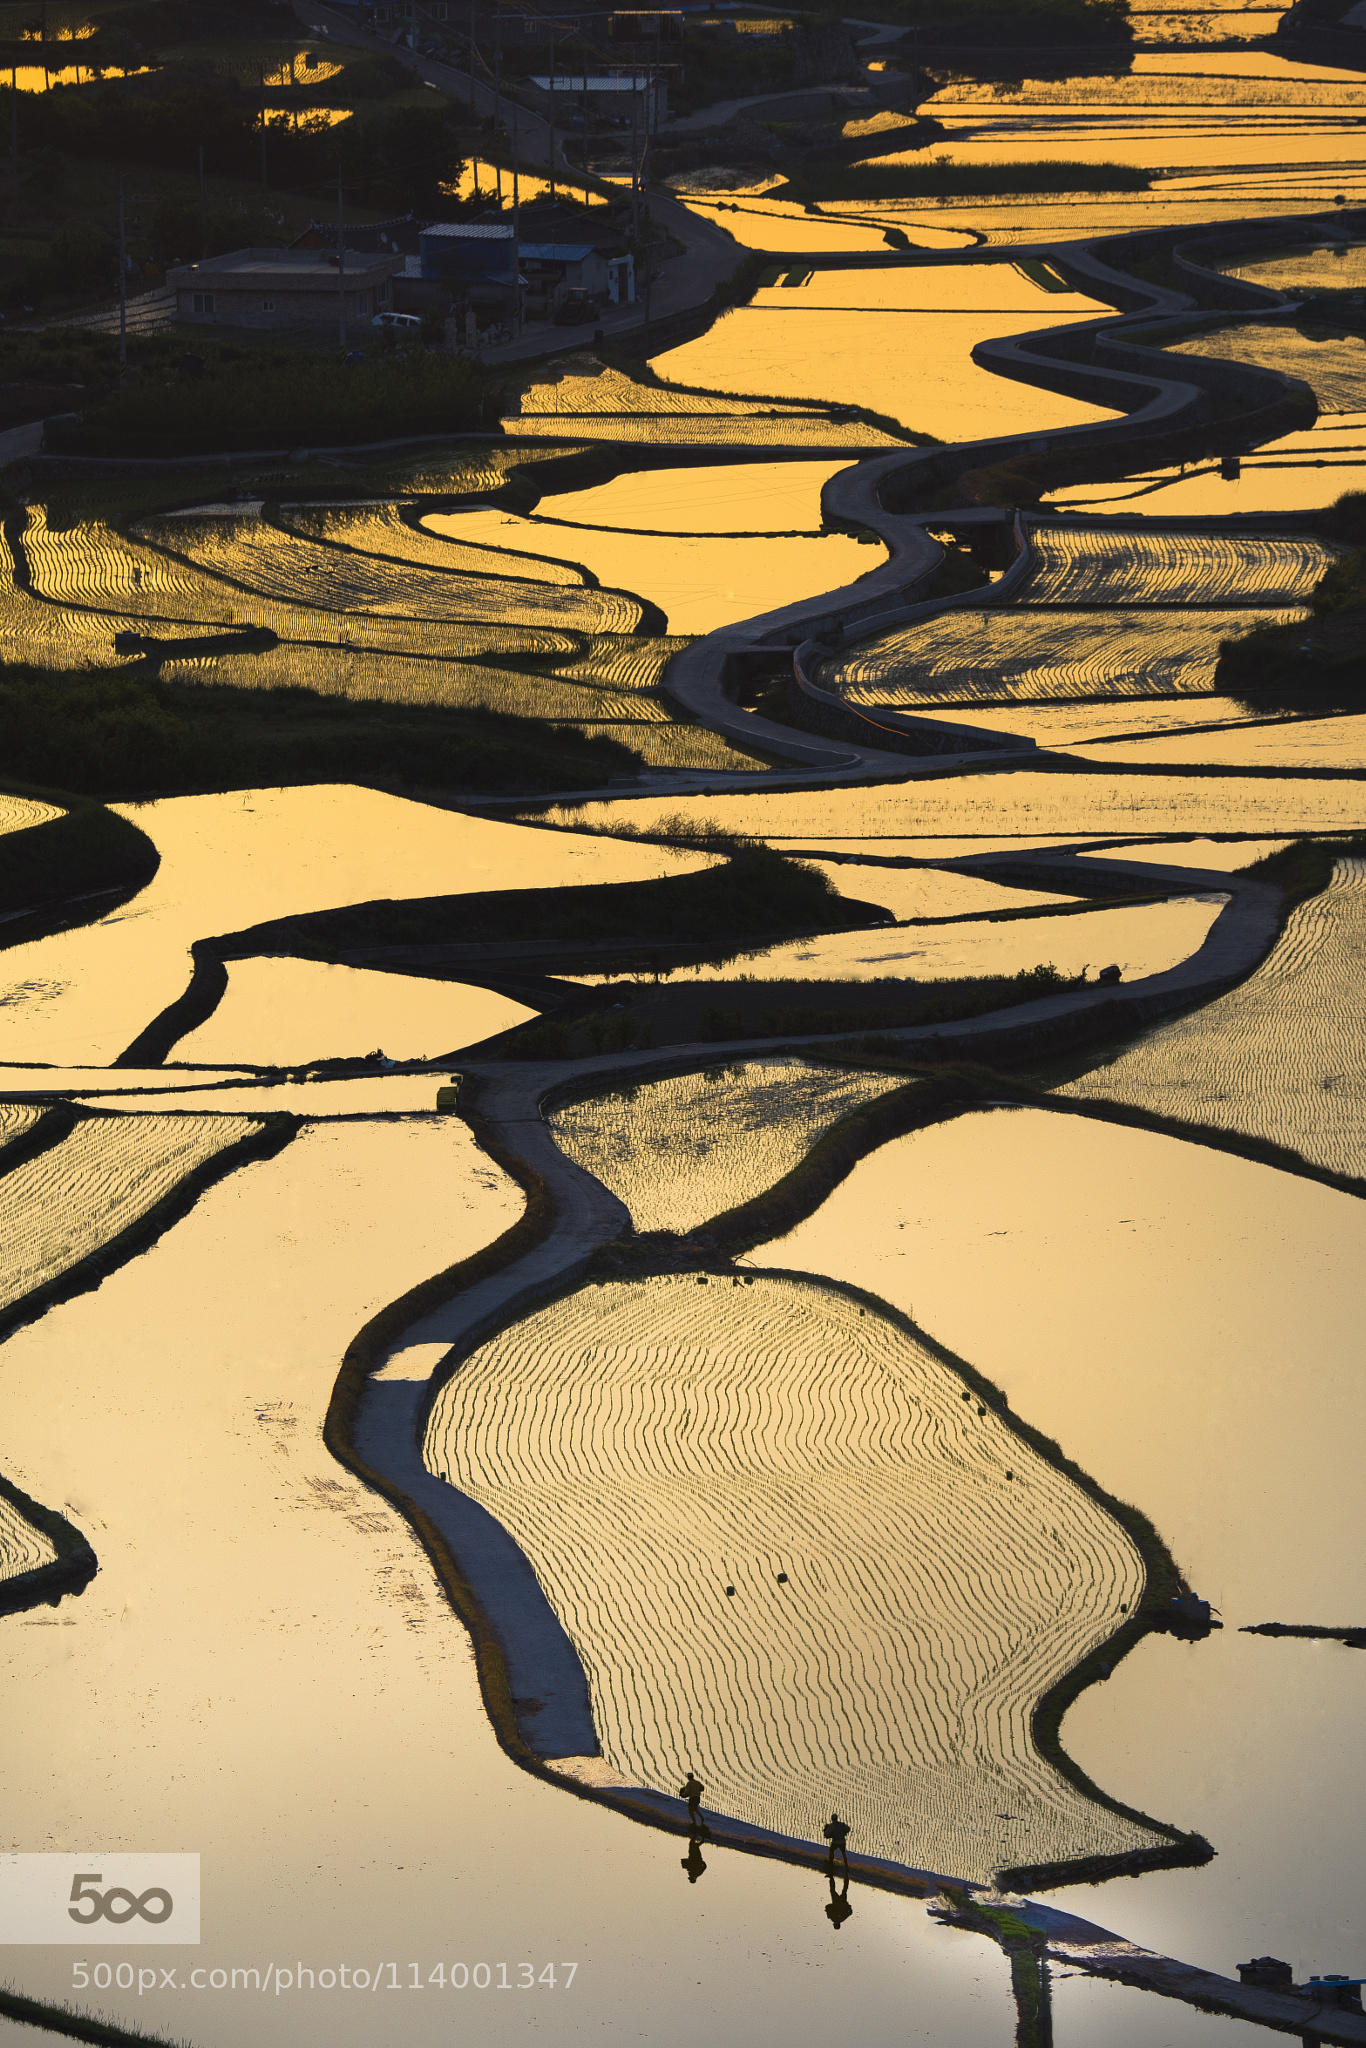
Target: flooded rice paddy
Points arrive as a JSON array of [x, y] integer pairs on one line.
[[897, 342], [1275, 1058], [286, 1012], [1208, 1353], [706, 546], [1143, 940], [680, 1150], [236, 859], [782, 1512], [750, 1624]]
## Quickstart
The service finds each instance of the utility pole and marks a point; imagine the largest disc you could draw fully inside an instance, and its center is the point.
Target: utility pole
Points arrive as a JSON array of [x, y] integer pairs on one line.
[[552, 120], [203, 210], [516, 224], [123, 283], [263, 124], [498, 114], [14, 129], [341, 260]]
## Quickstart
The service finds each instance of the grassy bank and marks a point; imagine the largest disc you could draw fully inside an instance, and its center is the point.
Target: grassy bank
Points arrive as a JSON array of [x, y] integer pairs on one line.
[[48, 871], [831, 180], [126, 732], [243, 400], [711, 1012], [753, 896]]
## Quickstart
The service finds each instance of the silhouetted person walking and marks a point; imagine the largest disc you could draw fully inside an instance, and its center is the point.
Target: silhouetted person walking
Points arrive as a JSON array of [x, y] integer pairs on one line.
[[836, 1832], [691, 1790]]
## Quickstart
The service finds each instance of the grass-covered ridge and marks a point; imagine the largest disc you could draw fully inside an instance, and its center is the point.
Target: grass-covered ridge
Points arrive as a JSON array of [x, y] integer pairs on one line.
[[129, 732], [720, 909], [941, 180], [70, 868], [709, 1013], [263, 402]]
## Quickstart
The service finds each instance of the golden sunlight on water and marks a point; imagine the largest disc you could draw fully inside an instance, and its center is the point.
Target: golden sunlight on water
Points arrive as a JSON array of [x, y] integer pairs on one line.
[[311, 1724], [1183, 1323], [708, 545], [236, 859], [895, 341], [286, 1012]]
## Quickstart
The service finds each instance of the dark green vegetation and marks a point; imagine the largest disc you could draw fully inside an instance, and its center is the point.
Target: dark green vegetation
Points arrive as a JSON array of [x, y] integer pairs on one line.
[[691, 1012], [1009, 23], [77, 2026], [127, 732], [816, 180], [754, 896], [725, 65], [202, 76], [1319, 664], [69, 869], [242, 400]]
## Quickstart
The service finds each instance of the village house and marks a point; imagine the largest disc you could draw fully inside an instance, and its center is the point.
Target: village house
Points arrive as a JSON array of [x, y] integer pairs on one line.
[[282, 288]]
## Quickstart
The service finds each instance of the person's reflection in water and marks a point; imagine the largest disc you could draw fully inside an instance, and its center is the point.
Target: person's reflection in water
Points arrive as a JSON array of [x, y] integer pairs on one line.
[[693, 1862], [839, 1908]]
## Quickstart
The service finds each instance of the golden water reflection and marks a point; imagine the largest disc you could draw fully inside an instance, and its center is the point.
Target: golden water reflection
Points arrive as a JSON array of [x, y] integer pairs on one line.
[[708, 545], [266, 1663], [897, 342]]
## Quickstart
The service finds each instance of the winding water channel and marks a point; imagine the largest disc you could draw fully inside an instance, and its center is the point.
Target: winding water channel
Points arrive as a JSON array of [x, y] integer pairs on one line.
[[817, 1362]]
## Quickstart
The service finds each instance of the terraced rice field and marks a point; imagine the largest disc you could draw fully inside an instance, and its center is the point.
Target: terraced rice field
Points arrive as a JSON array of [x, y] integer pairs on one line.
[[1337, 266], [1278, 1057], [994, 809], [937, 1577], [680, 1150], [1333, 365], [596, 403], [708, 546], [1022, 654], [22, 1547], [1338, 743], [896, 342], [287, 568], [244, 856], [918, 892], [1299, 472], [384, 532], [1145, 939], [1070, 726], [76, 1197], [366, 606], [18, 813], [285, 1012], [1120, 567], [16, 1119]]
